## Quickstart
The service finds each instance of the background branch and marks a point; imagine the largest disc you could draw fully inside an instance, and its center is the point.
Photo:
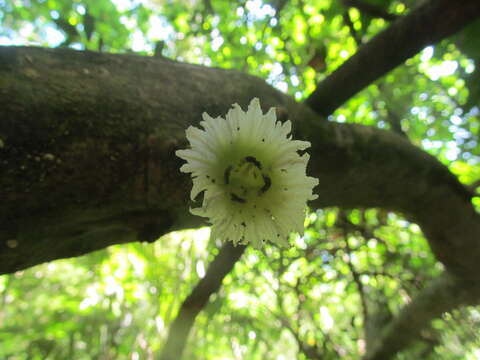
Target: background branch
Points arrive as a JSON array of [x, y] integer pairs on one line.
[[370, 9], [404, 38], [443, 294], [348, 21], [198, 298]]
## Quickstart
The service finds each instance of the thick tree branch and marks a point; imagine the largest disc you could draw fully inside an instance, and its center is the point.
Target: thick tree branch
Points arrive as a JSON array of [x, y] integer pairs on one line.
[[198, 298], [425, 25], [88, 156], [446, 293]]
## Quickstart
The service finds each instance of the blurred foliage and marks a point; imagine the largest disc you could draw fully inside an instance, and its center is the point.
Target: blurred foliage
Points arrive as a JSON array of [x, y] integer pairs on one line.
[[276, 304], [309, 301]]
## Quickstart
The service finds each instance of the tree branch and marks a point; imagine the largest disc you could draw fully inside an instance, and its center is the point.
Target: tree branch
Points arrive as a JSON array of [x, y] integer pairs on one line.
[[357, 280], [370, 9], [311, 352], [198, 298], [444, 294], [88, 157], [423, 26], [353, 33]]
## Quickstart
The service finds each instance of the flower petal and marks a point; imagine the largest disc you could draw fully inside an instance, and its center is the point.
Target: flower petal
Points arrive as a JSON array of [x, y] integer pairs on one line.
[[253, 179]]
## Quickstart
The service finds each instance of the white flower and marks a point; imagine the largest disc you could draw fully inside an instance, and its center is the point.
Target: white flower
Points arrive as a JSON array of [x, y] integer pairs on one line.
[[254, 181]]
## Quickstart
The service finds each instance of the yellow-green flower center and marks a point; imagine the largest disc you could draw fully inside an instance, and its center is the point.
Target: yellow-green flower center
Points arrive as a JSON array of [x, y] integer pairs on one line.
[[246, 180]]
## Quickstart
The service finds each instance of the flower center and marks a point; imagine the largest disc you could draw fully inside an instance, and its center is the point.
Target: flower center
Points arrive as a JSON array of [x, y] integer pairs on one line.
[[246, 180]]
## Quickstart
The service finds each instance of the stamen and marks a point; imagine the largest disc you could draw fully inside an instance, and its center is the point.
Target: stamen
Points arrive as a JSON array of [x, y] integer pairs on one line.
[[236, 198], [267, 185], [226, 174], [254, 161]]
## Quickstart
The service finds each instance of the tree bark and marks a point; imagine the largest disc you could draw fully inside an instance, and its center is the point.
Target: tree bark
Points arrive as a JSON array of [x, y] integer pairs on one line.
[[430, 22], [87, 157]]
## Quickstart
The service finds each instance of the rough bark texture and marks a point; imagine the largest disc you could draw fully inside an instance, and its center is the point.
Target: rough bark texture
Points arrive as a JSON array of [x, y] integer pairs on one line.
[[88, 140], [198, 298], [88, 157], [432, 21]]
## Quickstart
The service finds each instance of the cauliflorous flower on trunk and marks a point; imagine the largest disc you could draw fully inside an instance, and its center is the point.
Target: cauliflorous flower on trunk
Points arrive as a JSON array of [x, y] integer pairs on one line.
[[253, 178]]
